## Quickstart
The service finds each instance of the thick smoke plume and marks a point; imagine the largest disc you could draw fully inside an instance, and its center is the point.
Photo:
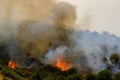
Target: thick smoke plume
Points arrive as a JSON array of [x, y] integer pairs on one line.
[[88, 52], [31, 28], [38, 37], [15, 12]]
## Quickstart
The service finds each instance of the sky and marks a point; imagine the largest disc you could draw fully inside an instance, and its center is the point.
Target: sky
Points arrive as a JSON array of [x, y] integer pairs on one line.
[[98, 15]]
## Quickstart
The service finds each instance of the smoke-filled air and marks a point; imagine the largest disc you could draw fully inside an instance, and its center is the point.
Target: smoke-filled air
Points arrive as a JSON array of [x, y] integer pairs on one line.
[[47, 30]]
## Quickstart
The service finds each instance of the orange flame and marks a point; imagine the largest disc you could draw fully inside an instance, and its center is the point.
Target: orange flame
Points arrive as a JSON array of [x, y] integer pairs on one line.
[[12, 64], [62, 64]]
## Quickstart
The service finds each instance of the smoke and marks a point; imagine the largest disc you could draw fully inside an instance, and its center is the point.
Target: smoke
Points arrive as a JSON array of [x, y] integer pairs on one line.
[[96, 46], [54, 54], [97, 15], [89, 49], [36, 37], [33, 27], [65, 15], [45, 30], [13, 13], [88, 52]]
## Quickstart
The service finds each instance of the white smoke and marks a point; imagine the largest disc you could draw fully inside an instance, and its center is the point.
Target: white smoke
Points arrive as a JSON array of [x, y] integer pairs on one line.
[[96, 46], [54, 54], [88, 51]]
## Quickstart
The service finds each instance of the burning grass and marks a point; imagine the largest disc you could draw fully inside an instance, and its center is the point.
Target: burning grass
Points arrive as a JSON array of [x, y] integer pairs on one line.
[[12, 64]]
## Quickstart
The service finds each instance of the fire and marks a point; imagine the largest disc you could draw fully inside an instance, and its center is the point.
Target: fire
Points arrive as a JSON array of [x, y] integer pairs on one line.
[[63, 65], [12, 64]]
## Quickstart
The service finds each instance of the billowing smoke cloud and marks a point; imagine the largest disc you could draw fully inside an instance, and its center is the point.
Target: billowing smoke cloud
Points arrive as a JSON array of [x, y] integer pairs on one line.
[[88, 52], [14, 12], [33, 27], [36, 37], [65, 15], [26, 22], [98, 15], [95, 47]]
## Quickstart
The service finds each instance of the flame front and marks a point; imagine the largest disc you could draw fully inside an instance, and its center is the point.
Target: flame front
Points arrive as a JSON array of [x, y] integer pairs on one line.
[[12, 64], [63, 65]]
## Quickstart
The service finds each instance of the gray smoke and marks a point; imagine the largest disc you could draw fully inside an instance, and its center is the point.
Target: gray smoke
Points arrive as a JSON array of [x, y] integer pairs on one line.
[[33, 27], [14, 12], [87, 51], [96, 46], [37, 37]]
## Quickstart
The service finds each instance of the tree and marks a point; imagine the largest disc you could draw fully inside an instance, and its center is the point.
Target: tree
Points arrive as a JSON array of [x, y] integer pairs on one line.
[[90, 76], [60, 78], [71, 71], [117, 76], [114, 58], [50, 77], [36, 76], [5, 78], [104, 75], [74, 77]]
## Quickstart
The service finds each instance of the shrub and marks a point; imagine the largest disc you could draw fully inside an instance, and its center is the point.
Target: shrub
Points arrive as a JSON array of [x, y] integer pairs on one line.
[[74, 77], [117, 76], [50, 77], [71, 71], [90, 77], [36, 76], [60, 78], [5, 78], [104, 75], [114, 58]]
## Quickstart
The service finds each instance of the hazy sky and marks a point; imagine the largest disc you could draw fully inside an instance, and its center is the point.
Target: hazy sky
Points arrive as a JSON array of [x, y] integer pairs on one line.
[[98, 15]]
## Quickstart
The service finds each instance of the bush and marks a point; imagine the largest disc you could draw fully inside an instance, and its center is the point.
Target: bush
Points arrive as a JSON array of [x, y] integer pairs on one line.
[[60, 78], [36, 76], [114, 58], [1, 67], [104, 75], [74, 77], [71, 71], [117, 76], [11, 74], [50, 77], [5, 78], [90, 77]]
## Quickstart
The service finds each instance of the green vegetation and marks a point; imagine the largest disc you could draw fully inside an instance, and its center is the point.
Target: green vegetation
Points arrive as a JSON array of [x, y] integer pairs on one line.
[[74, 77], [11, 74], [117, 76], [47, 72], [104, 75], [114, 58], [90, 76]]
